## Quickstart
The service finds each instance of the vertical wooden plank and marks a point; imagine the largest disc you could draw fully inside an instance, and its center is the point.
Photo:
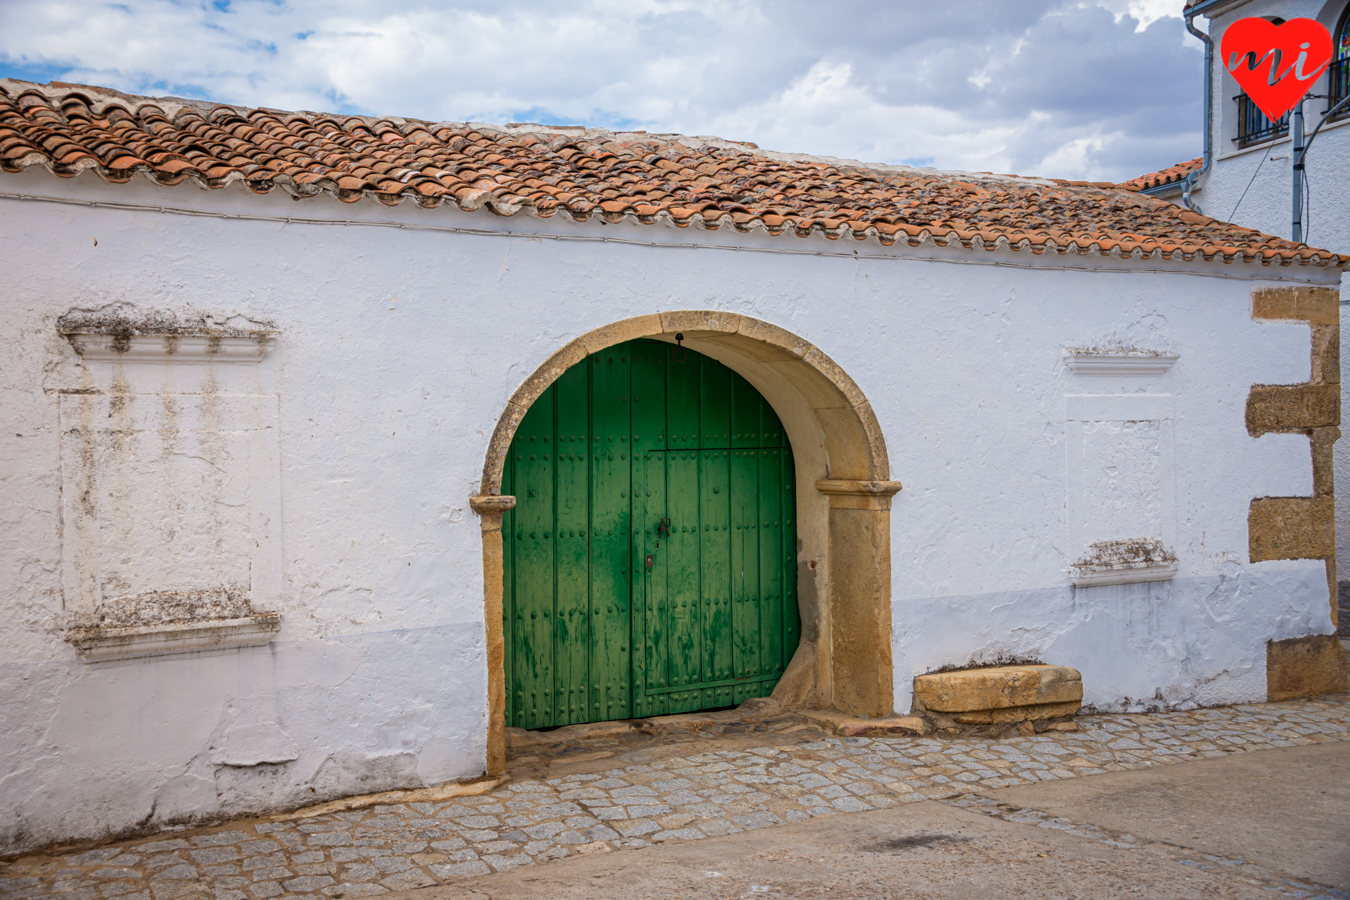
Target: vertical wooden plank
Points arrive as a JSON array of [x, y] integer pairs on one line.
[[714, 635], [649, 506], [715, 515], [744, 562], [771, 428], [680, 553], [682, 398], [714, 404], [745, 413], [534, 570], [792, 620], [671, 637], [571, 629], [772, 573], [611, 542]]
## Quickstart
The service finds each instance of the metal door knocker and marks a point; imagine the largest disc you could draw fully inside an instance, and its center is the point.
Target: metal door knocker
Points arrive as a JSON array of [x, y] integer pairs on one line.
[[679, 354], [663, 528]]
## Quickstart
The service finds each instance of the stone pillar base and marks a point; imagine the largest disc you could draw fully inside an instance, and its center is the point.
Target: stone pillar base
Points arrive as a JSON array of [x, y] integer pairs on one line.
[[1305, 667]]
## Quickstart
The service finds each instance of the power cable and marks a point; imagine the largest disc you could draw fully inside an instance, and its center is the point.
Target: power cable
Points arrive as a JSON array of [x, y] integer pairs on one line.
[[1307, 205], [1249, 183]]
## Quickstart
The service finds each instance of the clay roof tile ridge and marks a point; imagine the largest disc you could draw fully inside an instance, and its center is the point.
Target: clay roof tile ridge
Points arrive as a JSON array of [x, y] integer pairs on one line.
[[702, 181]]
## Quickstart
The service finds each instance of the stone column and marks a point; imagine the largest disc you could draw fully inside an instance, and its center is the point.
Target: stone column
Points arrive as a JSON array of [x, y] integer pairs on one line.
[[1301, 527], [490, 508], [862, 673]]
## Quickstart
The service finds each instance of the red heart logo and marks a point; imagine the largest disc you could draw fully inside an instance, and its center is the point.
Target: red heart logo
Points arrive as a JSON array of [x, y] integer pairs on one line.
[[1276, 64]]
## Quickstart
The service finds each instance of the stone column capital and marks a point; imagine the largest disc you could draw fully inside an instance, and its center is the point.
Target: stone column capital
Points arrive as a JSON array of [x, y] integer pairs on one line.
[[488, 504], [849, 494]]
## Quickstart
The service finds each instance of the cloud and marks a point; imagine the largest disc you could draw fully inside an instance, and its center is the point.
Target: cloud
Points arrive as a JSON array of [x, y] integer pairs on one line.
[[1101, 90]]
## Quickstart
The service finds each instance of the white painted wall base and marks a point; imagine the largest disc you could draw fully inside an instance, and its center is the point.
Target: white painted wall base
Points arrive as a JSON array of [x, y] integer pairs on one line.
[[124, 747]]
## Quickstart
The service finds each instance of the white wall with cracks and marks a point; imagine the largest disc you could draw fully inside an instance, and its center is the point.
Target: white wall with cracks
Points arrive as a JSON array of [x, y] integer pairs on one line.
[[395, 352]]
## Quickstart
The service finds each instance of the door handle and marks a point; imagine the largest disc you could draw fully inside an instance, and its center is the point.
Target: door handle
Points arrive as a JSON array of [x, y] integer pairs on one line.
[[663, 527]]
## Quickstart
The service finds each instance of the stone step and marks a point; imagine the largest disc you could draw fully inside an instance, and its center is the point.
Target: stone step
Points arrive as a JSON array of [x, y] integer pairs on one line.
[[1001, 693], [854, 726]]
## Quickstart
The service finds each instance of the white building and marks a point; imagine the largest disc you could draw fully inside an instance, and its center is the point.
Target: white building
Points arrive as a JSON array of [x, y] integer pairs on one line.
[[257, 552], [1246, 173]]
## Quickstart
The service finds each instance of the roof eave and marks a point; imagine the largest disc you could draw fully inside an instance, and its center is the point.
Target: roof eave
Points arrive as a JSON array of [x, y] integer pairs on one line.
[[1208, 8], [1164, 190]]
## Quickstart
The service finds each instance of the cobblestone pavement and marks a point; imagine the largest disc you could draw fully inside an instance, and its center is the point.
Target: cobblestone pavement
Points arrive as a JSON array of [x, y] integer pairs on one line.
[[707, 787]]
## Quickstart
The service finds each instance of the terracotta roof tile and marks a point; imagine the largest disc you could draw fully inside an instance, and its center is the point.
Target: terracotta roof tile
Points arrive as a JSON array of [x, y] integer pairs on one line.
[[1170, 175], [585, 174]]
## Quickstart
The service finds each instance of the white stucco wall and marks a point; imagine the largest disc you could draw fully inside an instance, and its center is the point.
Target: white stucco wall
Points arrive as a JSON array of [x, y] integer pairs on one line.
[[396, 352]]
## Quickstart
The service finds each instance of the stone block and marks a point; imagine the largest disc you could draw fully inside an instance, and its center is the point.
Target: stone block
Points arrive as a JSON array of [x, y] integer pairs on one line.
[[1292, 407], [1001, 688], [1326, 354], [626, 330], [1305, 667], [693, 321], [1291, 528], [1317, 305], [1032, 713], [498, 446]]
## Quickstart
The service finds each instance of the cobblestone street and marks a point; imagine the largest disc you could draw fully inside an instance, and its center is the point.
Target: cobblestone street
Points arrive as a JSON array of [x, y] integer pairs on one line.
[[616, 797]]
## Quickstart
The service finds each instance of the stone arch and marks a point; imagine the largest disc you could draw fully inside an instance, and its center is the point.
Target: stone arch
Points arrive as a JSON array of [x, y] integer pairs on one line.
[[844, 659]]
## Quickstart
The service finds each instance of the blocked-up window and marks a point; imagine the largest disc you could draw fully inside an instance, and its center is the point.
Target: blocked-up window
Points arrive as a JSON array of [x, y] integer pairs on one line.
[[170, 500]]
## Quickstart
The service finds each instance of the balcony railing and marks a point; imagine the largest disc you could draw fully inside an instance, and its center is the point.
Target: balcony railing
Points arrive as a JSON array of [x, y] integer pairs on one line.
[[1253, 125], [1338, 86]]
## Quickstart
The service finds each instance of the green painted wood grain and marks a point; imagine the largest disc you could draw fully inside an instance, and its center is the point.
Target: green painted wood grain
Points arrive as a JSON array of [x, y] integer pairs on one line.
[[572, 601], [611, 546], [534, 565], [634, 434]]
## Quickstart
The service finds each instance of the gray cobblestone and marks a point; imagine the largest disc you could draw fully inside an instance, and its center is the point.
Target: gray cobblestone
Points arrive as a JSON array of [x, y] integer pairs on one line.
[[703, 793], [307, 883], [461, 870], [355, 889], [408, 880], [272, 872]]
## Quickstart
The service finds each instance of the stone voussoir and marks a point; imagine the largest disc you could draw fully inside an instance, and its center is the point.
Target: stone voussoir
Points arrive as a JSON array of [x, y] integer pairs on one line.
[[1002, 693]]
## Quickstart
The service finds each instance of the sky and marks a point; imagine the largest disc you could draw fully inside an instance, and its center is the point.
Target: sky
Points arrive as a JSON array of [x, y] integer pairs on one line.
[[1101, 90]]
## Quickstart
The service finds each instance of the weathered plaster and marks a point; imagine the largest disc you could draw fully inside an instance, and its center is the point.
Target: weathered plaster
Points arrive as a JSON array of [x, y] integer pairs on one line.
[[395, 355]]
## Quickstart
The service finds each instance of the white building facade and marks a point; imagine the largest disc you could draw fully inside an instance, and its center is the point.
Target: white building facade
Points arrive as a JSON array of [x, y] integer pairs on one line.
[[1247, 174], [253, 451], [1250, 177]]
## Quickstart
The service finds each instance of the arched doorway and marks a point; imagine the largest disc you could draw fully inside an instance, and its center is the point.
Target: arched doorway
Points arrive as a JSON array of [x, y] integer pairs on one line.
[[649, 564], [843, 501]]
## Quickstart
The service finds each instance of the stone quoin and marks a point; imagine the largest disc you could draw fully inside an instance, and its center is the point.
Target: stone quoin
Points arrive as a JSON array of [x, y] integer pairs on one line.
[[281, 473]]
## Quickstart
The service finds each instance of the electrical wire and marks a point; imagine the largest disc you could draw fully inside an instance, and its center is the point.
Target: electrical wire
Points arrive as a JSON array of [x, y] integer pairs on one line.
[[1307, 205], [1249, 183]]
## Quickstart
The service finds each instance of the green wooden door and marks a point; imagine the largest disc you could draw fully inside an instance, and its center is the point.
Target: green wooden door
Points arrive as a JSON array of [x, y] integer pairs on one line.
[[650, 559]]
